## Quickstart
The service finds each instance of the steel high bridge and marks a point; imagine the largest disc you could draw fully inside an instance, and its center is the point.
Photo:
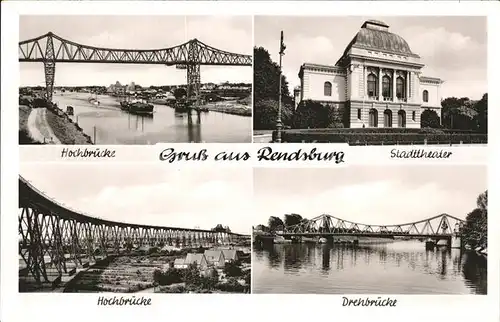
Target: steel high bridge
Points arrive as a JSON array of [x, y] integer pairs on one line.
[[437, 228], [55, 240], [50, 49]]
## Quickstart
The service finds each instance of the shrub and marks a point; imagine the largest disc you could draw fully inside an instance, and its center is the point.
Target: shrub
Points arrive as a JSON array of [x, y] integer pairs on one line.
[[232, 269], [266, 112], [168, 277], [310, 114], [429, 119], [382, 136]]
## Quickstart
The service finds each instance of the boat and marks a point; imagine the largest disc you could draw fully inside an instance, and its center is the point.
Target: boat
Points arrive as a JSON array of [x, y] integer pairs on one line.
[[323, 240], [137, 106], [93, 100], [141, 108]]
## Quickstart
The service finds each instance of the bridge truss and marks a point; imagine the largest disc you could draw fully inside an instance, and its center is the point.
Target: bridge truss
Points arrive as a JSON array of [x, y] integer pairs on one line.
[[54, 240], [442, 225], [51, 49]]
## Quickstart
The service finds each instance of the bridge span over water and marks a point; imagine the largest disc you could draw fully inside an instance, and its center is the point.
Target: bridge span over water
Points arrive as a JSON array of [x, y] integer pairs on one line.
[[51, 49], [440, 227], [55, 240]]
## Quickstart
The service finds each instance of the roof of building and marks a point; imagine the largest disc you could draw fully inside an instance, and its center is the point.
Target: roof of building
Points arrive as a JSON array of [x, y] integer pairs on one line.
[[212, 255], [191, 258], [179, 261], [230, 254], [375, 35], [427, 79]]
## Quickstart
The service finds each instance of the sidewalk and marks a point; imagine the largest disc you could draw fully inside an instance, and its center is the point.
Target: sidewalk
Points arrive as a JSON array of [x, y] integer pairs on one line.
[[39, 128]]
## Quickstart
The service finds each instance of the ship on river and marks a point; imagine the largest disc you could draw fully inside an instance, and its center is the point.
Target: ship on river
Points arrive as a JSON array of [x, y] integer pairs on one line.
[[137, 106]]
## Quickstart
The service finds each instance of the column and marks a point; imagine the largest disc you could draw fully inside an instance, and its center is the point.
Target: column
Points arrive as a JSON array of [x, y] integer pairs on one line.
[[394, 76], [407, 87], [380, 98], [365, 82]]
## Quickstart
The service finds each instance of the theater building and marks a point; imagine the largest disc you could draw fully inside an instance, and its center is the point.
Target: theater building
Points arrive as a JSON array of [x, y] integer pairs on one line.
[[376, 83]]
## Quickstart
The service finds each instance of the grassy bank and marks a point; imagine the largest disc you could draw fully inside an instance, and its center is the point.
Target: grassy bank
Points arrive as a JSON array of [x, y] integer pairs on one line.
[[65, 130]]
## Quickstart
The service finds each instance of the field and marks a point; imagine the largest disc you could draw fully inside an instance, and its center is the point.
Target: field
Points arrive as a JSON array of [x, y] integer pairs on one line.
[[124, 274]]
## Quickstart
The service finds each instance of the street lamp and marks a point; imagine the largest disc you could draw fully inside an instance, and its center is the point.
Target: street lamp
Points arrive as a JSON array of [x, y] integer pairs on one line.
[[279, 124]]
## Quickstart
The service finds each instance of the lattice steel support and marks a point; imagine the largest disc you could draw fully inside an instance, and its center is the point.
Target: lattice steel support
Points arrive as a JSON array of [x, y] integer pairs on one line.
[[193, 72], [49, 65]]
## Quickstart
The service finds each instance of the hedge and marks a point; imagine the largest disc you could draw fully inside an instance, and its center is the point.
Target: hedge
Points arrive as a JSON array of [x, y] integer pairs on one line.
[[392, 137]]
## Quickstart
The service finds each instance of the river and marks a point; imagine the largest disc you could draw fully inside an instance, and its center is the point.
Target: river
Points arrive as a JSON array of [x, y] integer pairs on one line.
[[111, 125], [402, 267]]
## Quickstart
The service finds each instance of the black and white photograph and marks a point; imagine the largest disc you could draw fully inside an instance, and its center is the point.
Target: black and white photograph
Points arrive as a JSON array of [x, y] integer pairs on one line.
[[395, 80], [135, 79], [163, 231], [419, 229]]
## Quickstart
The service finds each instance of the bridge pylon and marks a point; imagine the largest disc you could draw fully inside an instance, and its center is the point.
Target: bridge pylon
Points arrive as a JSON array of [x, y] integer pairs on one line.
[[193, 71], [49, 65]]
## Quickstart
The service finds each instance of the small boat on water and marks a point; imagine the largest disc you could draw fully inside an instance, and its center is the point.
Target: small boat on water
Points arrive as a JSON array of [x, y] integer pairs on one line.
[[323, 240], [93, 100]]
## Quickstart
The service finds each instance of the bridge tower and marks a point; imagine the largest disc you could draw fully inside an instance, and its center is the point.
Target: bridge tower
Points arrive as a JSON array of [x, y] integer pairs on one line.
[[193, 71], [49, 65]]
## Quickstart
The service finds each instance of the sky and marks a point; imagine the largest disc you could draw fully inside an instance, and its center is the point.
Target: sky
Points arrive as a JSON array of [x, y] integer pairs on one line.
[[452, 48], [228, 33], [150, 194], [378, 195]]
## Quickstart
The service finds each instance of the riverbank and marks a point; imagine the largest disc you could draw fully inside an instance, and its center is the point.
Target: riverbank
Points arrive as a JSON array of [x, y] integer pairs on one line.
[[230, 107], [66, 130]]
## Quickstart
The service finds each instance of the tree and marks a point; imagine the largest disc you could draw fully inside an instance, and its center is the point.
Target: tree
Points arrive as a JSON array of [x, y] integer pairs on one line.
[[192, 274], [262, 228], [475, 229], [275, 223], [157, 275], [220, 228], [266, 92], [482, 201], [266, 76], [180, 93], [429, 118], [462, 113], [310, 114], [266, 114], [481, 119], [232, 269], [292, 219]]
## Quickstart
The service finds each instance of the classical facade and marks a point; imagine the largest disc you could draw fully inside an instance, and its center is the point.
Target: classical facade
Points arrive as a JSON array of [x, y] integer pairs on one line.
[[376, 83]]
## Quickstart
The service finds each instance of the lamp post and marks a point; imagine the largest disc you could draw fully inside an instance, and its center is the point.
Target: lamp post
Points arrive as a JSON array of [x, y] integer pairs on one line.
[[279, 124]]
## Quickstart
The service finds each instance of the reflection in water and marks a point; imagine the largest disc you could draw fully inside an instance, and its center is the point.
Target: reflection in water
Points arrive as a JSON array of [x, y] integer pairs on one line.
[[111, 125], [403, 267]]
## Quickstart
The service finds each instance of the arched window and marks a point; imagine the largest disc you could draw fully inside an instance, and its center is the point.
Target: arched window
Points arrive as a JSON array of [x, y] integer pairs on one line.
[[328, 89], [373, 118], [425, 95], [359, 114], [400, 88], [413, 116], [401, 118], [372, 85], [387, 118], [386, 86]]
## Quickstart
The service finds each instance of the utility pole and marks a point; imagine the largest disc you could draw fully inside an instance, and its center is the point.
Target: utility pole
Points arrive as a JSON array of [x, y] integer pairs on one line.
[[279, 124]]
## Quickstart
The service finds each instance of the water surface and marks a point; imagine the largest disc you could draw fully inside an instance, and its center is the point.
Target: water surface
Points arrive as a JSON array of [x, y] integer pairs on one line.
[[110, 125], [403, 267]]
